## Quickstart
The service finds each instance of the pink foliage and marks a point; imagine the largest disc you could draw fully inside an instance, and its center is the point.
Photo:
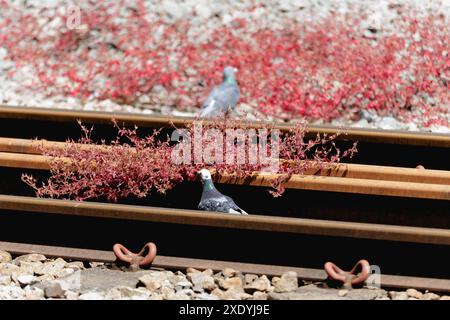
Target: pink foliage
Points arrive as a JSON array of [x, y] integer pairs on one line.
[[84, 170], [326, 69]]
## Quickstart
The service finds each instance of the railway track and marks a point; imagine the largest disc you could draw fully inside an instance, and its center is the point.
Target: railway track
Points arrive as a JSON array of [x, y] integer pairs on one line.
[[396, 217], [376, 147], [360, 193], [177, 263]]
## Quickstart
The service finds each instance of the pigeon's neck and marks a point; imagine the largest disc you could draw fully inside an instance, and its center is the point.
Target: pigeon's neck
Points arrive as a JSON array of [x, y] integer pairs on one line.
[[229, 80], [208, 185]]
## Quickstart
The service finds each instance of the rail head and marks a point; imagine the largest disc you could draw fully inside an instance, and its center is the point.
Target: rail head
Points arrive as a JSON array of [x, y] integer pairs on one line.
[[210, 219], [408, 183], [161, 121]]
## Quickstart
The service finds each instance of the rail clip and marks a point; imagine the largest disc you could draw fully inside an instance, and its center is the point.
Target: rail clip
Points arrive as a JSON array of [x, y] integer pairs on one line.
[[136, 260], [349, 278]]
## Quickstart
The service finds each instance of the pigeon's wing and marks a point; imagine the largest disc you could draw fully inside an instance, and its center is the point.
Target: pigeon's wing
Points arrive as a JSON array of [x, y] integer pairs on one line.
[[214, 204], [221, 99], [211, 97], [234, 207]]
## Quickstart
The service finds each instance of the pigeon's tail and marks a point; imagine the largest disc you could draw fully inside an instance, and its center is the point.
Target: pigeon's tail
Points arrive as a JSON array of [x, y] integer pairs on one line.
[[210, 112], [206, 112], [232, 211]]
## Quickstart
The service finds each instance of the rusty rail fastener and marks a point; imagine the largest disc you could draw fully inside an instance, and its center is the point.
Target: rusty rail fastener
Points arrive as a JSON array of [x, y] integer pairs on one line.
[[349, 278], [135, 260]]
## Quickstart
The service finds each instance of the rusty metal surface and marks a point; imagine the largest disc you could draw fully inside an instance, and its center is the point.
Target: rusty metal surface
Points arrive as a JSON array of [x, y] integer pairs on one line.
[[303, 182], [251, 222], [177, 263], [154, 121], [62, 252], [357, 171], [349, 278], [348, 185], [145, 257]]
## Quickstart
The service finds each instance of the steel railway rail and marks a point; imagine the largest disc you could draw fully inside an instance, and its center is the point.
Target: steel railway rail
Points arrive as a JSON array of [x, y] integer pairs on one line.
[[405, 250], [252, 222], [381, 147], [159, 121], [343, 179], [360, 193]]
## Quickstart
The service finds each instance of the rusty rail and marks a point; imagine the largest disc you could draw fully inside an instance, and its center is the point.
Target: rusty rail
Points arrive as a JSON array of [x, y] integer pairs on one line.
[[356, 171], [251, 222], [153, 121], [303, 182], [177, 263]]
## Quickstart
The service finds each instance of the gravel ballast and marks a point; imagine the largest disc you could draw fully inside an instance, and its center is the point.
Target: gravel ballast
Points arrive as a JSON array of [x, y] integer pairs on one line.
[[34, 277]]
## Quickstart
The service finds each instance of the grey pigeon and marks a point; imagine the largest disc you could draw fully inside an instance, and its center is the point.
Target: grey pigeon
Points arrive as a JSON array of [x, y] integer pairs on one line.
[[213, 200], [223, 97]]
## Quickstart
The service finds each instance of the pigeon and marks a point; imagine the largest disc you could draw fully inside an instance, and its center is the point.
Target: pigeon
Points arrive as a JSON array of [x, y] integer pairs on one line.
[[213, 200], [223, 97]]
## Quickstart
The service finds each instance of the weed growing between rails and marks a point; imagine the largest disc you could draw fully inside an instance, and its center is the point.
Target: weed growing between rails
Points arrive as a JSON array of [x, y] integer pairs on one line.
[[85, 169]]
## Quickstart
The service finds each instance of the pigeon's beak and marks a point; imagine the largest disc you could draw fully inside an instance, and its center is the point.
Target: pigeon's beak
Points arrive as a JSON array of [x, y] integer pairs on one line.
[[235, 69]]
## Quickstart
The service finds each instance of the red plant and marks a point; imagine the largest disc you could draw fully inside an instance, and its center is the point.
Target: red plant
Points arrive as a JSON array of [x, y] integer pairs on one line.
[[82, 170], [102, 58]]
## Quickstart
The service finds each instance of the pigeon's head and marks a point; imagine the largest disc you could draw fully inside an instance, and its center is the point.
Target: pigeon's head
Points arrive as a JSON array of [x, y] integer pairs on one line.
[[229, 72], [205, 174]]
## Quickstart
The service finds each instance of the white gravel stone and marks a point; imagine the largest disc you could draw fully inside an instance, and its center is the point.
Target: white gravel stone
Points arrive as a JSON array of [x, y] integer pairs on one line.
[[172, 9], [71, 295], [205, 296], [128, 293], [30, 267], [178, 296], [5, 256], [229, 272], [414, 293], [229, 283], [11, 293], [395, 295], [76, 265], [440, 129], [342, 293], [33, 293], [157, 280], [192, 270], [258, 295], [52, 267], [389, 123], [5, 279], [32, 257], [9, 269], [92, 296], [430, 296], [202, 281], [287, 282], [260, 284], [249, 277], [203, 10], [26, 279], [63, 273]]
